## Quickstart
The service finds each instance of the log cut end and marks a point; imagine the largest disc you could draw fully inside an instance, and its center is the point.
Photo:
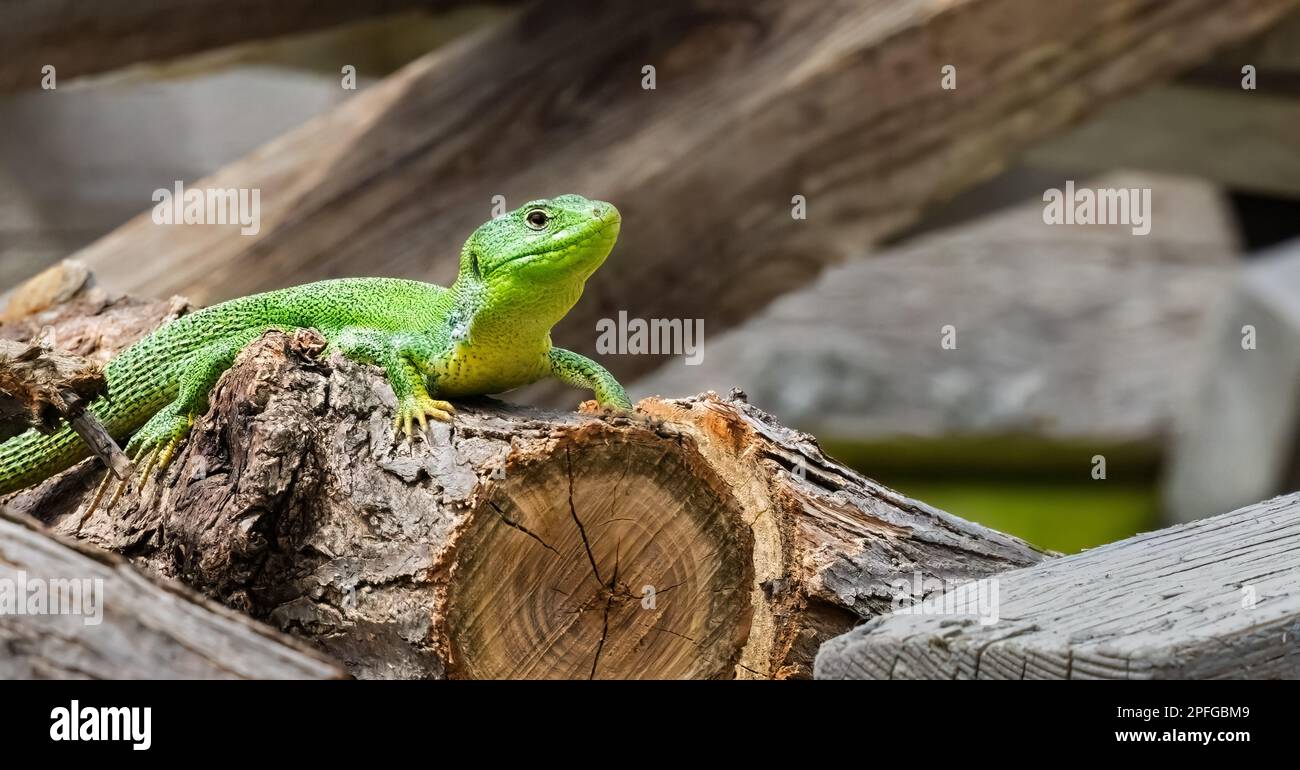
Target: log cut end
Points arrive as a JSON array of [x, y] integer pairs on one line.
[[611, 557]]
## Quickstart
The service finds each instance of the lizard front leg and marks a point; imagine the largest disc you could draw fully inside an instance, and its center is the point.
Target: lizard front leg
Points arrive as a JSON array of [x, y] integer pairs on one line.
[[581, 372], [397, 356], [199, 372], [158, 439]]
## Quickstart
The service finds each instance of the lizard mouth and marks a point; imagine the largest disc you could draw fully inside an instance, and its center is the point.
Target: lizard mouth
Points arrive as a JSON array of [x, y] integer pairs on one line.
[[607, 229]]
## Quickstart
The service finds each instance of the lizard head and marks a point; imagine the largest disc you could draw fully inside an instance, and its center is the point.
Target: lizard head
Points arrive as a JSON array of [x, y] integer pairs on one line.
[[551, 242]]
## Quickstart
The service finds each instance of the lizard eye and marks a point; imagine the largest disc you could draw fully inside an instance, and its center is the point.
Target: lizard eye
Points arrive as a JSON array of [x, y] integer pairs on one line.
[[536, 219], [473, 263]]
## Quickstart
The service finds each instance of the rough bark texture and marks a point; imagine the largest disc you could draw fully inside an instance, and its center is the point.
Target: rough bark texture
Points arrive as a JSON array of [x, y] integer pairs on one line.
[[1213, 599], [756, 102], [39, 387], [85, 38], [116, 622], [697, 538]]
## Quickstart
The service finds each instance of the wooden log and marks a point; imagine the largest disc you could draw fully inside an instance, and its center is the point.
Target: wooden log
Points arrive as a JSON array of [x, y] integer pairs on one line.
[[95, 37], [69, 611], [1212, 599], [697, 538], [41, 388], [754, 103]]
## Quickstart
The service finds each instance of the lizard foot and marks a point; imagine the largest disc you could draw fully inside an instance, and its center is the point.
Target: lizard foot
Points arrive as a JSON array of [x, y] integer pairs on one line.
[[414, 410], [158, 440], [156, 443], [608, 409]]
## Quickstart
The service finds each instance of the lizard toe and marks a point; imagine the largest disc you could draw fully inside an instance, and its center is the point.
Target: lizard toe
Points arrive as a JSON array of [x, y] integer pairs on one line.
[[418, 410]]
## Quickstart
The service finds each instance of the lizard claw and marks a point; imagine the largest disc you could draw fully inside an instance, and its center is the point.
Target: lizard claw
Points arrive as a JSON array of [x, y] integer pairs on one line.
[[156, 443], [134, 452], [608, 409], [417, 409]]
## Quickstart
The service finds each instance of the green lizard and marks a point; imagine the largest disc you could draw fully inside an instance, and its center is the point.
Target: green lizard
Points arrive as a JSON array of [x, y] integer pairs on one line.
[[520, 273]]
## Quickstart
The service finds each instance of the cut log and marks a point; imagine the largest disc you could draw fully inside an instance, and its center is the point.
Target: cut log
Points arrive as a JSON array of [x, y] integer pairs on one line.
[[697, 538], [95, 37], [98, 617], [755, 103], [1215, 599]]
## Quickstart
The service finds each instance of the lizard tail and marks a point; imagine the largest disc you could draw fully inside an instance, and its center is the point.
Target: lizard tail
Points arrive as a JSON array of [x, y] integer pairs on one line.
[[31, 457]]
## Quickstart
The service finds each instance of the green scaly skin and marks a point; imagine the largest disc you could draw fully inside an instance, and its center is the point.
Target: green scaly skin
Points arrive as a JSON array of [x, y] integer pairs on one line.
[[490, 332]]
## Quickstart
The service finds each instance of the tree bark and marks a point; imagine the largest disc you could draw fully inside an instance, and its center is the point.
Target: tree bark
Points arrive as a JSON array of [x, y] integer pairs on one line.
[[754, 103], [696, 538], [39, 387]]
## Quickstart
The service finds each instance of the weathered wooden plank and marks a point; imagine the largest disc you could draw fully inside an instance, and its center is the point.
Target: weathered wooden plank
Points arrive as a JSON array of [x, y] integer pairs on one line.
[[840, 102], [1217, 598], [113, 622]]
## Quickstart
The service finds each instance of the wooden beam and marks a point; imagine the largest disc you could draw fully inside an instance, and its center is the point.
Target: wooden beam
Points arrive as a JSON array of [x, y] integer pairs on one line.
[[80, 38], [1213, 599], [755, 103]]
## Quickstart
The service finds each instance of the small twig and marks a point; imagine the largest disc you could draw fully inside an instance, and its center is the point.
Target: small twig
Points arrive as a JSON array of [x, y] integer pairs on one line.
[[92, 432]]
